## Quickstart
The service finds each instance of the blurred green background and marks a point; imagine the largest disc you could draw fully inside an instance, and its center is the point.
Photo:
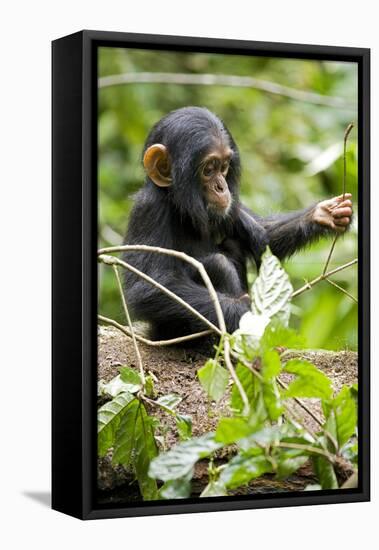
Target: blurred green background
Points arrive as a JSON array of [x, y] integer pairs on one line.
[[291, 152]]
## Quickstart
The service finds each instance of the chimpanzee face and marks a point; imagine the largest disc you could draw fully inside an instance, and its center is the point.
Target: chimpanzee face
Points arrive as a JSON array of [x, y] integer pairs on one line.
[[213, 171], [191, 152]]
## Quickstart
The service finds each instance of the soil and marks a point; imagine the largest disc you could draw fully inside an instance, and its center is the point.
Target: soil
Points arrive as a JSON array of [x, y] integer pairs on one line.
[[175, 372]]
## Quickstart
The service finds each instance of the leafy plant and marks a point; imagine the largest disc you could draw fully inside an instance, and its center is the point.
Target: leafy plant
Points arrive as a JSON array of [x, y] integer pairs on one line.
[[267, 437], [262, 433]]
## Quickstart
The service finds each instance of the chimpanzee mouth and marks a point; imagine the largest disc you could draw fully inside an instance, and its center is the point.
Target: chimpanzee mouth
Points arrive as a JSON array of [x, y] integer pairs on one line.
[[215, 212]]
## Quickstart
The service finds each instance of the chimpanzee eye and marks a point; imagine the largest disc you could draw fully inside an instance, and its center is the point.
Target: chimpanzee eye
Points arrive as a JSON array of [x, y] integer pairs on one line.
[[225, 167], [209, 168]]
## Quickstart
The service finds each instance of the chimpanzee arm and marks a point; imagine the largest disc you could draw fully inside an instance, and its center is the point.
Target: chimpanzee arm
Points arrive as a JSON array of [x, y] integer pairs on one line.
[[287, 233], [169, 318]]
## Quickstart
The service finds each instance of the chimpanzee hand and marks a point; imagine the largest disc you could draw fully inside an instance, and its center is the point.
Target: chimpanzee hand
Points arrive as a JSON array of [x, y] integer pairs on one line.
[[334, 213]]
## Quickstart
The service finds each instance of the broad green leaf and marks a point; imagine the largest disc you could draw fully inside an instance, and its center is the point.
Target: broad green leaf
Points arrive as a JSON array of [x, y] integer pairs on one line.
[[345, 411], [277, 335], [145, 450], [126, 435], [309, 381], [131, 378], [325, 472], [247, 380], [246, 339], [214, 489], [179, 461], [176, 488], [109, 416], [169, 402], [184, 426], [114, 387], [272, 290], [241, 469], [272, 401], [214, 379], [271, 368], [230, 430], [288, 461], [271, 365], [267, 435]]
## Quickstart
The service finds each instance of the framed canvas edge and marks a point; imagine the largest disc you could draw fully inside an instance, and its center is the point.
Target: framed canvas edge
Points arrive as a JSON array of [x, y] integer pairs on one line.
[[81, 381]]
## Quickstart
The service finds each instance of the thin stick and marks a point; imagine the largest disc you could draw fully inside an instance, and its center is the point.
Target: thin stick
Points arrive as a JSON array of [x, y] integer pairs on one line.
[[330, 254], [126, 310], [322, 277], [345, 137], [111, 260], [208, 283], [308, 449], [301, 404], [225, 80], [342, 290], [181, 256], [153, 343]]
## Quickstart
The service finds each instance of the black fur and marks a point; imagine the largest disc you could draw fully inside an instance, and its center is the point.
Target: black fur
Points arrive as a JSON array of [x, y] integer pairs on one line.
[[177, 217]]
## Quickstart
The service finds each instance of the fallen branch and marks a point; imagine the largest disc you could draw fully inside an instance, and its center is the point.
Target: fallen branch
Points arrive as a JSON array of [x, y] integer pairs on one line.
[[111, 260], [225, 80], [156, 343], [322, 277]]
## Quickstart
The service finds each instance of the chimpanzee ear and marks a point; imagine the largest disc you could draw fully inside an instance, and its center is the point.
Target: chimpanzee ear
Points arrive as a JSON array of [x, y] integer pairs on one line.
[[157, 165]]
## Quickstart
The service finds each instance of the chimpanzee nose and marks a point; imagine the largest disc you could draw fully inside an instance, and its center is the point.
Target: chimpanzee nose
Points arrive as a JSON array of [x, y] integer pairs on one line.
[[220, 187]]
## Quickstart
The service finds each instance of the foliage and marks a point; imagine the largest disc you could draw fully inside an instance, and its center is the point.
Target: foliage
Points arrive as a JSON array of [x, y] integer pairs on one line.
[[290, 150], [267, 437]]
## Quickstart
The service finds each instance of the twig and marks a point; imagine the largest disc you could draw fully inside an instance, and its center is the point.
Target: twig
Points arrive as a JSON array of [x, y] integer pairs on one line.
[[308, 449], [208, 283], [225, 80], [301, 404], [345, 137], [322, 277], [342, 290], [111, 260], [154, 343], [126, 310]]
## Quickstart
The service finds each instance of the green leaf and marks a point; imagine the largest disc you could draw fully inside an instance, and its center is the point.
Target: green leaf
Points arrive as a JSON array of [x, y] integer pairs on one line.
[[179, 461], [145, 451], [230, 430], [272, 401], [247, 337], [309, 381], [125, 436], [114, 387], [346, 417], [271, 365], [272, 290], [176, 488], [277, 335], [214, 379], [288, 461], [242, 469], [131, 378], [214, 488], [247, 380], [325, 472], [184, 426], [109, 416], [149, 387], [350, 451], [169, 402]]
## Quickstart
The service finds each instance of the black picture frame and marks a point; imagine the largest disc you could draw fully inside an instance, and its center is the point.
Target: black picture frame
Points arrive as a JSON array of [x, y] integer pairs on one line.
[[74, 271]]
